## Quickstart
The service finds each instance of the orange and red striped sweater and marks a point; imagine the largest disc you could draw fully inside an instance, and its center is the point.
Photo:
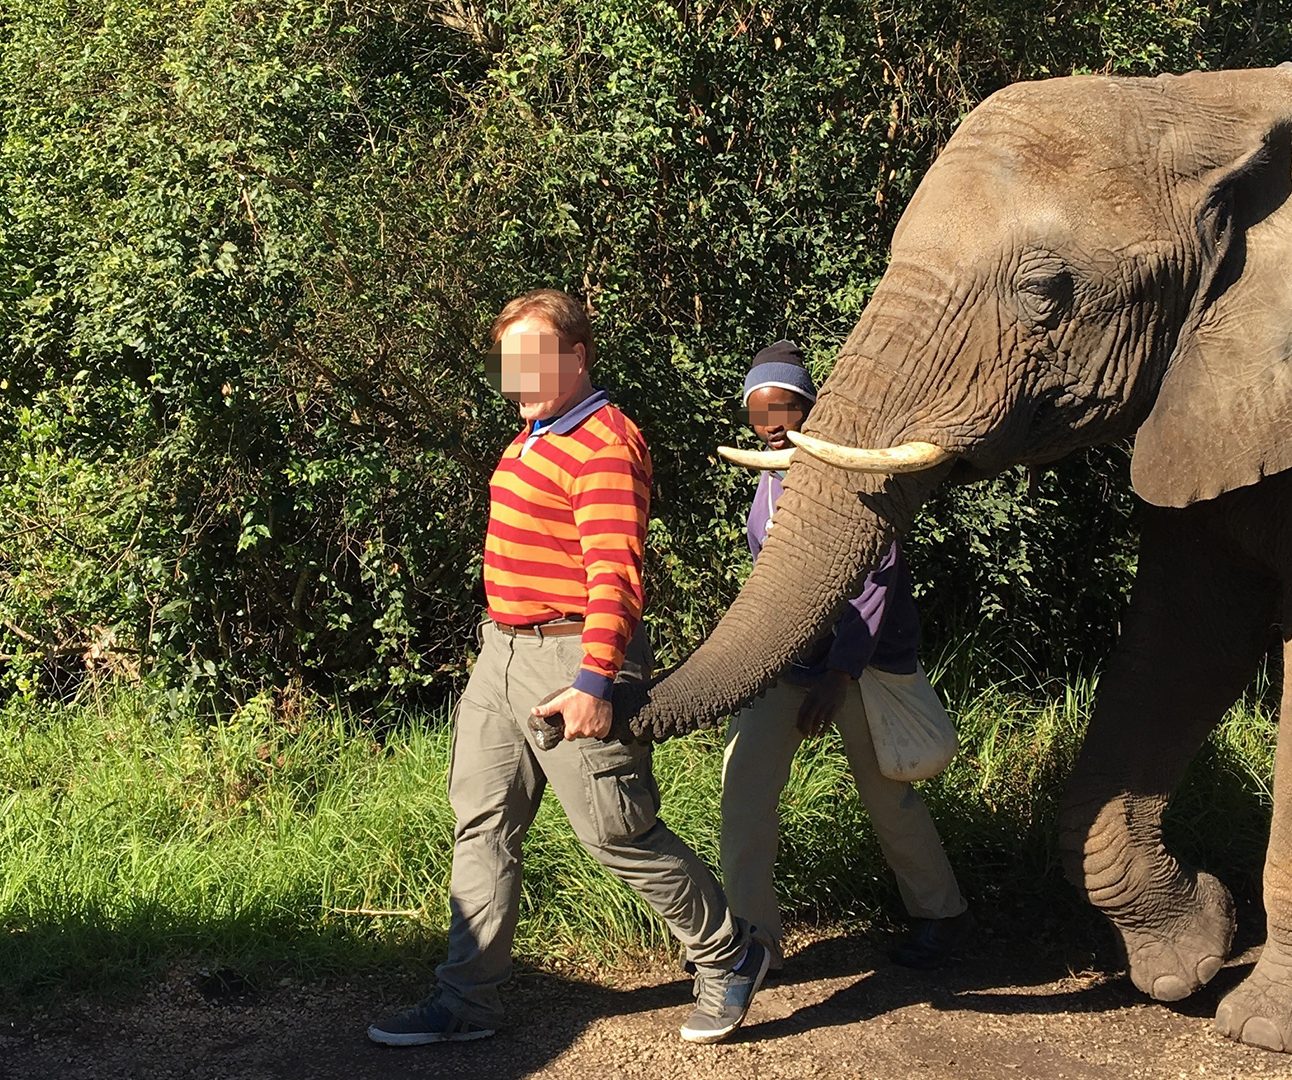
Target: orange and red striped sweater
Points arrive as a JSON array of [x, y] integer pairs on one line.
[[567, 529]]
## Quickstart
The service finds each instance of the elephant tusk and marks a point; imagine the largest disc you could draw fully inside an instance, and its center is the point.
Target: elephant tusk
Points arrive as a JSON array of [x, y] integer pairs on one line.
[[909, 457], [757, 459]]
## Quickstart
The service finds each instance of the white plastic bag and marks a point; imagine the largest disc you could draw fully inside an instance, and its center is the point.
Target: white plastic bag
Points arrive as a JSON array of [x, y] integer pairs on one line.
[[913, 736]]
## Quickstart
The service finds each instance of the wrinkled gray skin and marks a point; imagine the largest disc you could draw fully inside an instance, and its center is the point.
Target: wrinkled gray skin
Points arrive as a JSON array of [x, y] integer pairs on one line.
[[1090, 258]]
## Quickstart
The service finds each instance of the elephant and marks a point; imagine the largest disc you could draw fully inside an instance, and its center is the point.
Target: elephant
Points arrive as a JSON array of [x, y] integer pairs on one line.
[[1089, 259]]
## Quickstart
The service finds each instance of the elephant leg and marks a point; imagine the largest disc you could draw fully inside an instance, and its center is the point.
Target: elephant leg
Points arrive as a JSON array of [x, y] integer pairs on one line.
[[1197, 627], [1259, 1010]]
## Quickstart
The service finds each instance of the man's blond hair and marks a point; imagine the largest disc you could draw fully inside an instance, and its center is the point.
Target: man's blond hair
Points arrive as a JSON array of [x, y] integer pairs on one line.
[[561, 311]]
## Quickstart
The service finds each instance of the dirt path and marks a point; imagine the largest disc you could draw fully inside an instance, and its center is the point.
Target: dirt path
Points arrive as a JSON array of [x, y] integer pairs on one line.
[[842, 1010]]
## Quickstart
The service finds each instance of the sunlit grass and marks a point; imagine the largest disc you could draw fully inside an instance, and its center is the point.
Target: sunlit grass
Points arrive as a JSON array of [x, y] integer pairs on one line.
[[314, 843]]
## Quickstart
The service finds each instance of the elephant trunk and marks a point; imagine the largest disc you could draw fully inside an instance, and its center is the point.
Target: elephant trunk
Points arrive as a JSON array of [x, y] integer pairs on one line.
[[828, 536]]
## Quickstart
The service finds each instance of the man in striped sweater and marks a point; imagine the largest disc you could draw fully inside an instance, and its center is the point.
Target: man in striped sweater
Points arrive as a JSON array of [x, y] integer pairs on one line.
[[563, 578]]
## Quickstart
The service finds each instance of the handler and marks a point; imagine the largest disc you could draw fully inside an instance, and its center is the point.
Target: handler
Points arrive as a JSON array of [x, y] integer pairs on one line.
[[563, 579], [876, 638]]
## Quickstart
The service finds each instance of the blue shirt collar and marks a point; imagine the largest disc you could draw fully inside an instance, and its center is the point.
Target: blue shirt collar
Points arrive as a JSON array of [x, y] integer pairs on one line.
[[572, 418]]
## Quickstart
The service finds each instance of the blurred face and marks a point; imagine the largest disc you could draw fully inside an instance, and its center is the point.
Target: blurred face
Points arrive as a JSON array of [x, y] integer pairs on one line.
[[773, 411], [532, 366]]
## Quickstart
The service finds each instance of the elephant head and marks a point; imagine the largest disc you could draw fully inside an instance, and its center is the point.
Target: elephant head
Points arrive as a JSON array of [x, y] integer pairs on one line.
[[1088, 258]]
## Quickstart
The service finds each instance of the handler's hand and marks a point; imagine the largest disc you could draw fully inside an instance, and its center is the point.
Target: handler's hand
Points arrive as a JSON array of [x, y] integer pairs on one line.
[[822, 702], [586, 717]]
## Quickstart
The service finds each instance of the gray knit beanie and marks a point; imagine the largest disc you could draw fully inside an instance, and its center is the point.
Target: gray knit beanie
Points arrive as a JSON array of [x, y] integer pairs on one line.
[[780, 364]]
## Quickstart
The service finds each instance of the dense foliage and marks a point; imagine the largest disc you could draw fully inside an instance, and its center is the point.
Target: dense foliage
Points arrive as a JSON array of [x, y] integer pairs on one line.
[[249, 250]]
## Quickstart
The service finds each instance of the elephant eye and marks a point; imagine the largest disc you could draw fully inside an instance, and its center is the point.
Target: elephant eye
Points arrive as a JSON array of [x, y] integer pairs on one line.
[[1046, 297]]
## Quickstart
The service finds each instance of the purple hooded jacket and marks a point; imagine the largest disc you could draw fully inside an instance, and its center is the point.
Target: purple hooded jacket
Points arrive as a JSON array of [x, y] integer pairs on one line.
[[880, 627]]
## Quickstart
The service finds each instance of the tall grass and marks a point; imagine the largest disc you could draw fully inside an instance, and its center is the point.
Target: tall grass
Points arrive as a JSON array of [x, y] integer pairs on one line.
[[313, 842]]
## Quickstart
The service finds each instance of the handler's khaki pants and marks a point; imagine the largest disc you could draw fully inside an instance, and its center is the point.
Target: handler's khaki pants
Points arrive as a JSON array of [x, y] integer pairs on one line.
[[761, 743], [608, 791]]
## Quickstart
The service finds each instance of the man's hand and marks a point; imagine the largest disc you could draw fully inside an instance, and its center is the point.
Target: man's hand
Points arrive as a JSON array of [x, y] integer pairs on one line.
[[822, 702], [586, 717]]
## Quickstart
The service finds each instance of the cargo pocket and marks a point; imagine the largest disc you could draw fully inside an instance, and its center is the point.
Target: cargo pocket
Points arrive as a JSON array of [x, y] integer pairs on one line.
[[623, 797]]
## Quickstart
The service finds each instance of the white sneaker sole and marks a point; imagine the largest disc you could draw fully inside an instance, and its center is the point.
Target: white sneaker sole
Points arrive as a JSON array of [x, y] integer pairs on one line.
[[424, 1038], [711, 1036]]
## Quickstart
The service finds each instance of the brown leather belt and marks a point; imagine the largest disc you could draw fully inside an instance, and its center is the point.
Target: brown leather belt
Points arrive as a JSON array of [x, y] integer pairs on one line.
[[557, 628]]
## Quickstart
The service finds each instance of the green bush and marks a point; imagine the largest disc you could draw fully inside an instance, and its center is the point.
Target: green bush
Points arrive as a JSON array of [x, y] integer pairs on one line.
[[249, 249]]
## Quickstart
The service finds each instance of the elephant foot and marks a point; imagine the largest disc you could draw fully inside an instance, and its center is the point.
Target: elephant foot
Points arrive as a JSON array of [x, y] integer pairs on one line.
[[1259, 1010], [1175, 956]]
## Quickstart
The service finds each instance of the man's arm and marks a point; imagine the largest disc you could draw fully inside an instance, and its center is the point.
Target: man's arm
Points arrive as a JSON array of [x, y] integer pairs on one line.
[[611, 502]]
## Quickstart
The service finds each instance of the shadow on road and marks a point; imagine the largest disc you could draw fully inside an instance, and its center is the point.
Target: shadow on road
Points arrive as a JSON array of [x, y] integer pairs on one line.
[[993, 977], [186, 1024]]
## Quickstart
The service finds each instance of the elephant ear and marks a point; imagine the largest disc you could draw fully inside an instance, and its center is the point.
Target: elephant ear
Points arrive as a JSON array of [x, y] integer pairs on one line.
[[1223, 414]]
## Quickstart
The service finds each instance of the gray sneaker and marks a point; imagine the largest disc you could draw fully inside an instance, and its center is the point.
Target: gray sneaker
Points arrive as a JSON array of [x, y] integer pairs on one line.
[[723, 998], [426, 1022]]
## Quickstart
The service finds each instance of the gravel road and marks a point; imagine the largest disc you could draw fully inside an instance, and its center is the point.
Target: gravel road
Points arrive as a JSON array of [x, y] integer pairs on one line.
[[841, 1010]]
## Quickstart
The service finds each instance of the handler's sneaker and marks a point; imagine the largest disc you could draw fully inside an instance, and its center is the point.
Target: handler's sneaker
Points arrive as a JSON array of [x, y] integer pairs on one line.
[[723, 998], [426, 1022], [934, 942]]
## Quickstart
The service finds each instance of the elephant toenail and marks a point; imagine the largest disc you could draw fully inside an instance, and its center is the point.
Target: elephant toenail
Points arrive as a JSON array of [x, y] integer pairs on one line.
[[1207, 967], [1258, 1031], [1225, 1020], [1170, 988]]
